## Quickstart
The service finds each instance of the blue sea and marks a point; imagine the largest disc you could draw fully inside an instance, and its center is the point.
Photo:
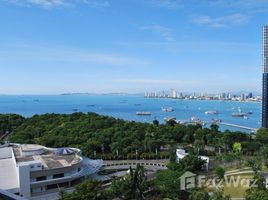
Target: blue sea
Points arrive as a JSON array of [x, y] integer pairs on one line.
[[126, 106]]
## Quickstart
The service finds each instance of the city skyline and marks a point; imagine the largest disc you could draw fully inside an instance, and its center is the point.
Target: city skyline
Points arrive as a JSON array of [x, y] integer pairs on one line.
[[62, 46], [265, 79]]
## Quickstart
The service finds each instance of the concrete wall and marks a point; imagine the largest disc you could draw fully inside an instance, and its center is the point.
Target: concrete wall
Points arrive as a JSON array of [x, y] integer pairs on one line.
[[32, 153], [24, 180]]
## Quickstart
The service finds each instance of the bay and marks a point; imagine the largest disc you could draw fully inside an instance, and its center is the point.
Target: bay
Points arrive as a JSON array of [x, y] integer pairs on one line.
[[126, 106]]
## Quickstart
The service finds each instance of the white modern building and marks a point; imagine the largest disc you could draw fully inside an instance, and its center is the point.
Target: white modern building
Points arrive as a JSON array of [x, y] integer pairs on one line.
[[181, 153], [173, 94], [30, 170]]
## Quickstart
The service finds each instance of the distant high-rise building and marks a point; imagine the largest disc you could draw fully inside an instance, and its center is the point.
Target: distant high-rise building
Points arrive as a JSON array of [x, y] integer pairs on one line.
[[173, 94], [265, 79], [243, 97], [223, 96]]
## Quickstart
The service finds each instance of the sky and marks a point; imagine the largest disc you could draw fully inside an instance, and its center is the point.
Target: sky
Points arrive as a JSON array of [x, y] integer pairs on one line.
[[103, 46]]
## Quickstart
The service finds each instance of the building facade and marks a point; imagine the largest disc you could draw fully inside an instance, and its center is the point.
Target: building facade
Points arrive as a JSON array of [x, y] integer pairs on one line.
[[265, 79], [181, 153], [33, 170]]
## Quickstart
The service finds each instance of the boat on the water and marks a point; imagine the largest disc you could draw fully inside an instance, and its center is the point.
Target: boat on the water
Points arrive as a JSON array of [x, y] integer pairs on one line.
[[216, 121], [169, 109], [143, 113], [239, 114], [91, 105], [196, 120], [211, 112]]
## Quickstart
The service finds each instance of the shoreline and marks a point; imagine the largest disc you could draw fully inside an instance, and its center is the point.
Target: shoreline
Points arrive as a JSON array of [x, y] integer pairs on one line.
[[198, 99]]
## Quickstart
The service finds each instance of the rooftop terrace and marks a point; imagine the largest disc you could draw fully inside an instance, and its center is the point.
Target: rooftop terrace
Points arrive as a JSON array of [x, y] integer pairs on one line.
[[49, 159]]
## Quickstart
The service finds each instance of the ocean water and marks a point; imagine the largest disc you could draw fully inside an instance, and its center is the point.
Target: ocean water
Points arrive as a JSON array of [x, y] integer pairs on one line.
[[126, 106]]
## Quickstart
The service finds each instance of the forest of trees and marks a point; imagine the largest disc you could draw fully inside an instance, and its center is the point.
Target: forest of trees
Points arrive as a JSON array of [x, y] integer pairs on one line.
[[107, 137]]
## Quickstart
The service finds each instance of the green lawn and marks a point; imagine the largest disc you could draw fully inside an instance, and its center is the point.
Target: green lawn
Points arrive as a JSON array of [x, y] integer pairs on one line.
[[237, 191]]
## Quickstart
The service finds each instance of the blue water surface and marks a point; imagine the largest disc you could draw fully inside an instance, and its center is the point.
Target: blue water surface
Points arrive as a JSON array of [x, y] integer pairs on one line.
[[126, 106]]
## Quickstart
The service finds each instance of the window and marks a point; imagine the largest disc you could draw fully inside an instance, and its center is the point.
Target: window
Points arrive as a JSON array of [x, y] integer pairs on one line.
[[57, 186], [49, 187], [41, 178], [58, 175]]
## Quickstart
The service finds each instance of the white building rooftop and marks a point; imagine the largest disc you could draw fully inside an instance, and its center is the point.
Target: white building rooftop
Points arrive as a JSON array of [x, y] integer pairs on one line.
[[31, 147], [8, 174]]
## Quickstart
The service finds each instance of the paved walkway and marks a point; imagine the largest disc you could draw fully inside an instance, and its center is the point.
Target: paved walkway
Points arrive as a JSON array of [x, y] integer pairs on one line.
[[152, 165]]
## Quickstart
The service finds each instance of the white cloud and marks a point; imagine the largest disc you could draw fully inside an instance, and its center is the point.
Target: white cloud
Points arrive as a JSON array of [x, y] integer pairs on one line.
[[248, 6], [223, 21], [238, 3], [171, 4], [55, 54], [164, 32], [59, 3], [96, 3], [48, 3], [155, 81]]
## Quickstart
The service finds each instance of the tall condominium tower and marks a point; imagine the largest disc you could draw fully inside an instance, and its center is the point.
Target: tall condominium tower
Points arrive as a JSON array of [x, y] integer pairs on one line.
[[265, 79]]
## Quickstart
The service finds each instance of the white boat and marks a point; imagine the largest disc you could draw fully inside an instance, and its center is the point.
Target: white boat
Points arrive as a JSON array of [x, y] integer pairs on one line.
[[245, 117], [239, 114], [143, 113], [216, 120], [196, 120], [211, 112], [169, 109]]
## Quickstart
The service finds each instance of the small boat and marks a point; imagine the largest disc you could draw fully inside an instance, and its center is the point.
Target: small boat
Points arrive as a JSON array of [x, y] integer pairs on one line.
[[143, 113], [239, 114], [216, 120], [75, 110], [91, 105], [211, 112], [169, 109], [196, 120], [250, 112]]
